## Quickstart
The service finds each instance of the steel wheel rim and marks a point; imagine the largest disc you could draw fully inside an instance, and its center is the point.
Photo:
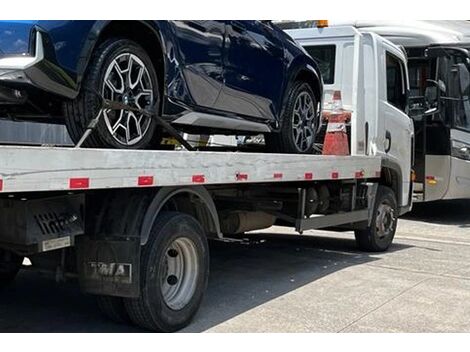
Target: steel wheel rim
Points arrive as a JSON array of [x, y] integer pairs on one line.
[[303, 122], [180, 273], [385, 220], [127, 80]]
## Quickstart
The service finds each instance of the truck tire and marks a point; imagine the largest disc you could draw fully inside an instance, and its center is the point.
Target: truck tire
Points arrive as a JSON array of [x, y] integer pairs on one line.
[[299, 123], [10, 264], [379, 235], [120, 70], [113, 308], [173, 274]]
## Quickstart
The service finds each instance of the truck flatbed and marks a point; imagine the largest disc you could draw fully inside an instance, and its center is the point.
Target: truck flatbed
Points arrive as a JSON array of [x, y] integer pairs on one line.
[[33, 169]]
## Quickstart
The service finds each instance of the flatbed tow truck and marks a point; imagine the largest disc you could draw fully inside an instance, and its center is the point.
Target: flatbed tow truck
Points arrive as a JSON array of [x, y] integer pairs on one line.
[[133, 226]]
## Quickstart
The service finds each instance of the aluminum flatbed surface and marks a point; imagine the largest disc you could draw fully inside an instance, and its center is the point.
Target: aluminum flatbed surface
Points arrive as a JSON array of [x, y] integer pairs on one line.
[[33, 169]]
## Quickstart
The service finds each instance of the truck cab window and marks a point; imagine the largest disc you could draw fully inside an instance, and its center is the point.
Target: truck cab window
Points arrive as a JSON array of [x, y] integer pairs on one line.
[[325, 56], [396, 89]]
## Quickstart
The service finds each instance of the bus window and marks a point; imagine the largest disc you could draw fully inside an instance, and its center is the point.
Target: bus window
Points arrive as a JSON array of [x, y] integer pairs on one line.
[[462, 114], [418, 71]]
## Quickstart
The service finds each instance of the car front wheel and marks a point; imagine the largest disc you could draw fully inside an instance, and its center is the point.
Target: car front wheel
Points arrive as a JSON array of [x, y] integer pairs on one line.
[[120, 70]]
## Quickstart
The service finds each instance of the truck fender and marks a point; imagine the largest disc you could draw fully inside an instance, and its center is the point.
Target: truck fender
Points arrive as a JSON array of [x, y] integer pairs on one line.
[[167, 193], [398, 185]]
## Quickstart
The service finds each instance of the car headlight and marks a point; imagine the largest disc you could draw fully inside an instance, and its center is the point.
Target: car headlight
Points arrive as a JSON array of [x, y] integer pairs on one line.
[[460, 150]]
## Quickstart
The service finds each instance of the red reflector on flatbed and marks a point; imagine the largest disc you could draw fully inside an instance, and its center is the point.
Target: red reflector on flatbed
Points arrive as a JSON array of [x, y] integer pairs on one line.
[[76, 183], [359, 174], [308, 176], [334, 175], [1, 185], [277, 175], [145, 181], [199, 179], [241, 177]]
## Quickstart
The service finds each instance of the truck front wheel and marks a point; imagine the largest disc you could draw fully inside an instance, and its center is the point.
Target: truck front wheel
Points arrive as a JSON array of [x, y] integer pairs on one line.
[[10, 264], [379, 235], [174, 273]]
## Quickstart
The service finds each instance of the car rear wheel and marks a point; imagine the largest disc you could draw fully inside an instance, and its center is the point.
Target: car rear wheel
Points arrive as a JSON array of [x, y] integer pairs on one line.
[[120, 70], [299, 123]]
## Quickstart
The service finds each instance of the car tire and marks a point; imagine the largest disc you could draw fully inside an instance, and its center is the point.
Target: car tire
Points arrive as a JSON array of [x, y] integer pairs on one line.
[[10, 265], [299, 123], [120, 70], [379, 235], [168, 302], [113, 308]]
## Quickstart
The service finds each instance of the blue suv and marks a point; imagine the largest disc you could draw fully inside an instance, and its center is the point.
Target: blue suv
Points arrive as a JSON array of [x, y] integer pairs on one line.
[[208, 77]]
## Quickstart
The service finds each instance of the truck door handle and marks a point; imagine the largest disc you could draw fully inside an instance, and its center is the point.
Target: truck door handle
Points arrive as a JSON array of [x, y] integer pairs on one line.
[[388, 141], [238, 26]]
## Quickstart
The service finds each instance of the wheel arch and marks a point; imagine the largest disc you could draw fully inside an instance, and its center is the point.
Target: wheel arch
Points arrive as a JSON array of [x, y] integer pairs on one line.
[[145, 33], [304, 72], [391, 176], [195, 201], [310, 76]]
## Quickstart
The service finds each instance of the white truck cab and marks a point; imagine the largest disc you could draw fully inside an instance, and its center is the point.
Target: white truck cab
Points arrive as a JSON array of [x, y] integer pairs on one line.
[[438, 51], [371, 74]]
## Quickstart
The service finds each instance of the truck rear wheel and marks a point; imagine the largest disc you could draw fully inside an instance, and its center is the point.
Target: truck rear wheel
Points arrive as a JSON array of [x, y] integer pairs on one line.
[[174, 273], [10, 264], [379, 235]]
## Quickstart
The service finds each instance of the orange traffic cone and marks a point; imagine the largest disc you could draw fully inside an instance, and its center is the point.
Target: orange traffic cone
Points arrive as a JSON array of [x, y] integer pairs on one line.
[[336, 137]]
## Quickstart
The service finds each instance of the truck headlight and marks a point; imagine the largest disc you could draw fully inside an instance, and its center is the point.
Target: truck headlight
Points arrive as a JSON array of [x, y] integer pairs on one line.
[[460, 150]]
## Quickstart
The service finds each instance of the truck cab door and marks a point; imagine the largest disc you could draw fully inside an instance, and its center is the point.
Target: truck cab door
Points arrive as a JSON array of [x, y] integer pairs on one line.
[[395, 140]]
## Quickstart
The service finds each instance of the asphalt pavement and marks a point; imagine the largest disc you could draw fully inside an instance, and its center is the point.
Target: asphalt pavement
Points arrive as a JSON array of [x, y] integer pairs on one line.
[[281, 282]]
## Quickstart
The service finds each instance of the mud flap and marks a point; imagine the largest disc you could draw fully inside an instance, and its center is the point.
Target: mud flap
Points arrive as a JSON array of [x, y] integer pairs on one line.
[[109, 267]]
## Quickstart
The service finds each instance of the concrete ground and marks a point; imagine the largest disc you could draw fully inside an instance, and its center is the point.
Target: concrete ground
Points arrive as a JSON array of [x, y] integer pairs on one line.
[[317, 283]]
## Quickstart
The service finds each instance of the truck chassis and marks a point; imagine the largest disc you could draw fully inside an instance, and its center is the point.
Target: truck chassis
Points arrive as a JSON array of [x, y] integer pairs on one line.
[[133, 225]]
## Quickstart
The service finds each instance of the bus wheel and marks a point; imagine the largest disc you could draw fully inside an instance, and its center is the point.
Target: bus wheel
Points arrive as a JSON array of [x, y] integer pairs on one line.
[[174, 273], [379, 235]]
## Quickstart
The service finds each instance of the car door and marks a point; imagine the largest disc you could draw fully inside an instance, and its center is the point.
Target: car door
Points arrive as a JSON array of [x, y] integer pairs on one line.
[[253, 70], [200, 49]]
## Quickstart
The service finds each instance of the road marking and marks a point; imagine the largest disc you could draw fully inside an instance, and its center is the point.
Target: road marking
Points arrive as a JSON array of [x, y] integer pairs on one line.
[[432, 240]]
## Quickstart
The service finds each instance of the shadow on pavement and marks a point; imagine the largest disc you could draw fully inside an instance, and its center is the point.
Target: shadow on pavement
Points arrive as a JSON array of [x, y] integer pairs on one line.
[[449, 212], [242, 277]]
